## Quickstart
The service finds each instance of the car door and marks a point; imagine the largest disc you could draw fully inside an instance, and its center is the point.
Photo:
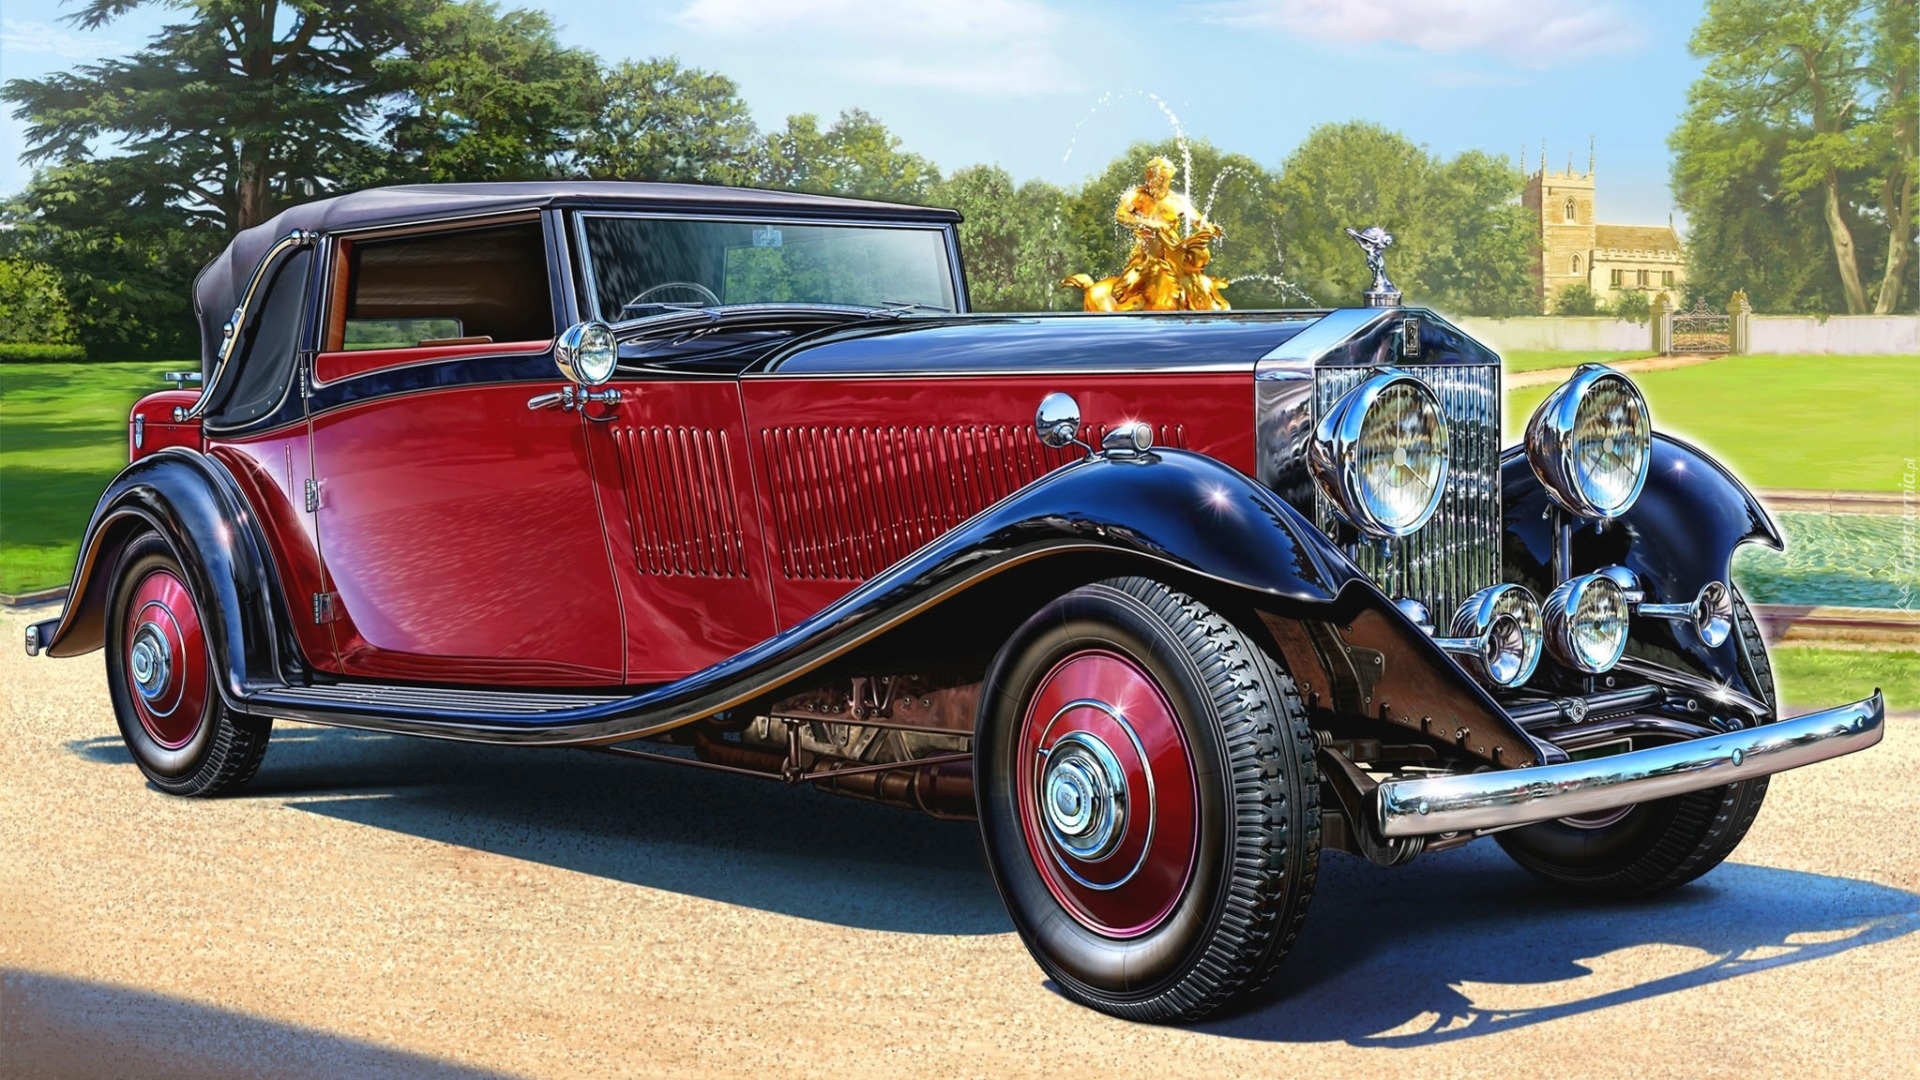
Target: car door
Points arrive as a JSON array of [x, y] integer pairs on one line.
[[674, 478], [458, 521]]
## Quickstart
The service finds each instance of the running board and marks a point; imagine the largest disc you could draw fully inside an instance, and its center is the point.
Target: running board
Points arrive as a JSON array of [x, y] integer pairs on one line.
[[377, 697]]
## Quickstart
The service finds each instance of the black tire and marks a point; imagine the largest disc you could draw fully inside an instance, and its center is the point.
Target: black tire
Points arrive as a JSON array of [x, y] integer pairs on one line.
[[1254, 836], [213, 750], [1660, 845]]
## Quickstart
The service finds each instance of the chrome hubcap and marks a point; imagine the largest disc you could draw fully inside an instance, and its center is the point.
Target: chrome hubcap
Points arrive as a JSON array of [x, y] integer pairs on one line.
[[148, 660], [1084, 796]]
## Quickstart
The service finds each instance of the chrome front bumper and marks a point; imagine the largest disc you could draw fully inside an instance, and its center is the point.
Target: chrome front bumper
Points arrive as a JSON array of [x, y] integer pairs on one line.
[[1493, 800]]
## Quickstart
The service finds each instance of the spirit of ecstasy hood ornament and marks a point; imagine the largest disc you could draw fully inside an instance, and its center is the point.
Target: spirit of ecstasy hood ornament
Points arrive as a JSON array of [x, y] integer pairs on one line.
[[1375, 241]]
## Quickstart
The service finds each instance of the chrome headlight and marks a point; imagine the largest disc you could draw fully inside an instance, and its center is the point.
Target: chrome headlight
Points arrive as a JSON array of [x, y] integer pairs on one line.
[[1591, 442], [1586, 622], [586, 353], [1497, 634], [1380, 454]]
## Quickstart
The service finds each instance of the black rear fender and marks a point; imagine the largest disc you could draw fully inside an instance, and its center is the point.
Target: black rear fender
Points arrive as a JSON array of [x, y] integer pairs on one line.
[[190, 501]]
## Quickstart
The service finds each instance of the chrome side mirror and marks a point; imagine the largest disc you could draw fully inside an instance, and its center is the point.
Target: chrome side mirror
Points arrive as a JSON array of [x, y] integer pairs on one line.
[[1057, 420]]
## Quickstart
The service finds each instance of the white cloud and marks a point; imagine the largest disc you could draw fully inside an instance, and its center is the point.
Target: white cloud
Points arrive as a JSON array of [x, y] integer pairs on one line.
[[1538, 33], [989, 48], [45, 39]]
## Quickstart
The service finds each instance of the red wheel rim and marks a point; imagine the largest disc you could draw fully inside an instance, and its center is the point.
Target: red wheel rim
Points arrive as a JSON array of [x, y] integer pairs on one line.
[[165, 659], [1108, 795]]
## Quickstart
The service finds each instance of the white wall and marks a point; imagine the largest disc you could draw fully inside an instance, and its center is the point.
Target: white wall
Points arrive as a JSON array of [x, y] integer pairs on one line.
[[1856, 334], [1575, 333]]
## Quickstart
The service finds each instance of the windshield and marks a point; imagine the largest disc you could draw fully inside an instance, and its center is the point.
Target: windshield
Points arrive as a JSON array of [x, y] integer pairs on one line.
[[644, 266]]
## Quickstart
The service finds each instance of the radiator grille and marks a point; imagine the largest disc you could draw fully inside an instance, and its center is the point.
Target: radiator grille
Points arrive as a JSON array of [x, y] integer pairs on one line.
[[1458, 552], [681, 504], [850, 501]]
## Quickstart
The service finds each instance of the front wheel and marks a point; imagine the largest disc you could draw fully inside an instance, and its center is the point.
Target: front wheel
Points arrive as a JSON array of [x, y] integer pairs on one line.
[[160, 677], [1149, 800]]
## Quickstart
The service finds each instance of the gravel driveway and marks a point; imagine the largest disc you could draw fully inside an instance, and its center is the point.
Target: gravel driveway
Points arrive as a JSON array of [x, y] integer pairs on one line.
[[379, 906]]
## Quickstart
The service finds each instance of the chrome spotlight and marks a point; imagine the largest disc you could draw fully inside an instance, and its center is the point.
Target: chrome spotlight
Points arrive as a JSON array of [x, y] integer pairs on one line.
[[1380, 454], [1586, 622], [1497, 635], [587, 353], [1591, 443]]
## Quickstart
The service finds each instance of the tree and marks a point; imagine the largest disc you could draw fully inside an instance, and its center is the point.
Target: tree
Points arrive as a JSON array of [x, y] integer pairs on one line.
[[662, 121], [485, 96], [1010, 240], [124, 257], [33, 306], [1815, 99], [240, 108], [1576, 299], [856, 157], [1461, 240]]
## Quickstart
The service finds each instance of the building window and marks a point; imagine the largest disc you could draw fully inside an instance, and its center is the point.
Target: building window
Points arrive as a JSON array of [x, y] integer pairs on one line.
[[1640, 278], [1576, 264], [1569, 208], [1666, 278], [1613, 278]]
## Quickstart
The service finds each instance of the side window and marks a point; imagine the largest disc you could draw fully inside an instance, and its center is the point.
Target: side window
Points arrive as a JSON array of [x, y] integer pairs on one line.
[[263, 360], [452, 287]]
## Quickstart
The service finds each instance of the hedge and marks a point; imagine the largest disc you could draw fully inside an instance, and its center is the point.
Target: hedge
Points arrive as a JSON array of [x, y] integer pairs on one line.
[[27, 353]]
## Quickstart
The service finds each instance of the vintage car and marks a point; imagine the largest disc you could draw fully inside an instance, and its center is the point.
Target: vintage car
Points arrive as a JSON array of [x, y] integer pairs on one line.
[[1169, 602]]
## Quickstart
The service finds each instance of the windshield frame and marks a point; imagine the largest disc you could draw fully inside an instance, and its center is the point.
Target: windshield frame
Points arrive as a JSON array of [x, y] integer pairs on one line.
[[588, 298]]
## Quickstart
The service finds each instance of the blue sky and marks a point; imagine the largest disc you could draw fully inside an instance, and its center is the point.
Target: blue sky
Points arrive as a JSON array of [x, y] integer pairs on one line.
[[1054, 89]]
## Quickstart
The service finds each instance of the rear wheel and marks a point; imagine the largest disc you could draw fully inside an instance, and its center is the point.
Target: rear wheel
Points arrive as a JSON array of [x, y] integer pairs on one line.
[[1655, 846], [1149, 800], [160, 677]]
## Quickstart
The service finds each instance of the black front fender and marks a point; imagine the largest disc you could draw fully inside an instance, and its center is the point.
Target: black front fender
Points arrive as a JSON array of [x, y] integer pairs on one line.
[[1678, 536], [190, 501]]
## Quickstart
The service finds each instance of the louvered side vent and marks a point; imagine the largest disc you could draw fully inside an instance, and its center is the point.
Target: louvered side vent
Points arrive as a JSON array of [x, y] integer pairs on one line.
[[681, 501], [1457, 553], [848, 502]]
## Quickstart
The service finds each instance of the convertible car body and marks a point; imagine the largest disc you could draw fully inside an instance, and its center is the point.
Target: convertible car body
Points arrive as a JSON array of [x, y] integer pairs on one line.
[[734, 479]]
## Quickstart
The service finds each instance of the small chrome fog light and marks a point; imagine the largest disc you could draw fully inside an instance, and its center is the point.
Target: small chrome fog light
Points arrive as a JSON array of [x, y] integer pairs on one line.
[[1496, 634], [1586, 622]]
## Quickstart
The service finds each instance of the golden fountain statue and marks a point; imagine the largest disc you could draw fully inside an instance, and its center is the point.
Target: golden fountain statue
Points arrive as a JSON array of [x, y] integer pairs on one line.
[[1165, 271]]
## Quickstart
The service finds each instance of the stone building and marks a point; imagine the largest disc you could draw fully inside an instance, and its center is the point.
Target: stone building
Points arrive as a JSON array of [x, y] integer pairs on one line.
[[1572, 247]]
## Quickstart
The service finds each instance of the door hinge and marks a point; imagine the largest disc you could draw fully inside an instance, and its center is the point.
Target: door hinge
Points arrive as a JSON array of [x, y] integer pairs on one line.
[[313, 495], [322, 608]]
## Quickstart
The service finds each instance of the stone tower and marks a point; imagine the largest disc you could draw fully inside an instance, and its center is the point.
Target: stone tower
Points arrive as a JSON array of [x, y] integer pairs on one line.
[[1562, 205]]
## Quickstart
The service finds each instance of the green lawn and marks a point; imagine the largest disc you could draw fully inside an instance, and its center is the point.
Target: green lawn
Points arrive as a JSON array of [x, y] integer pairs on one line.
[[1810, 676], [1518, 360], [63, 434], [1819, 422]]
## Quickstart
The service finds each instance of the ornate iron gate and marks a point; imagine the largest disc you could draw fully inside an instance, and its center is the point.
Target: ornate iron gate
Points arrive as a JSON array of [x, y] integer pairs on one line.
[[1700, 329]]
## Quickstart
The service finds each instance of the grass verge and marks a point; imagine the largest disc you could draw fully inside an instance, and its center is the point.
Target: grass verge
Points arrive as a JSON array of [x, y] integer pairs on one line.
[[1815, 677], [1815, 422], [63, 436]]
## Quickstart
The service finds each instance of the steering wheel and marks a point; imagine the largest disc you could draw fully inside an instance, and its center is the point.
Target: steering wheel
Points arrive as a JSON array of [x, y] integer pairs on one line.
[[692, 286]]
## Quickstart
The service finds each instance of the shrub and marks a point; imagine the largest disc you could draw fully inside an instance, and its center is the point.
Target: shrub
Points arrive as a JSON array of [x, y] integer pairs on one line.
[[19, 352], [1576, 299], [1633, 305], [33, 306]]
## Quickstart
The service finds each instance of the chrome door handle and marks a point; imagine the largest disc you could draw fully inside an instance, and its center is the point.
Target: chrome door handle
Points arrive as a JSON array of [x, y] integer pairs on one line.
[[569, 398], [562, 398]]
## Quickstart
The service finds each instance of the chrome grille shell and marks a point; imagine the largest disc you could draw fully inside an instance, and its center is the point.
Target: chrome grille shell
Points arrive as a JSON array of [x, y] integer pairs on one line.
[[1457, 553]]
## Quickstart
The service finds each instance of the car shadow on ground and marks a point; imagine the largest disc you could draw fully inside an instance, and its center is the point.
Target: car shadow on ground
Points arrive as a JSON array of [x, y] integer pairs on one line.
[[55, 1026], [734, 839], [1456, 945], [1463, 943]]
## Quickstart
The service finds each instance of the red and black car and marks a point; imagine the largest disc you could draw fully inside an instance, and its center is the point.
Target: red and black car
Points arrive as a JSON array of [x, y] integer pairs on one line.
[[734, 479]]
